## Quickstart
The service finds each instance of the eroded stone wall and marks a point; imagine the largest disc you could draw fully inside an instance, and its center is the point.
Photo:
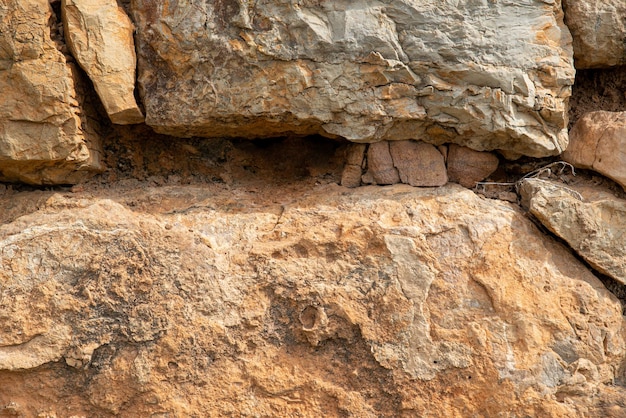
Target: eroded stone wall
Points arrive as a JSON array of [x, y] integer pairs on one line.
[[236, 277]]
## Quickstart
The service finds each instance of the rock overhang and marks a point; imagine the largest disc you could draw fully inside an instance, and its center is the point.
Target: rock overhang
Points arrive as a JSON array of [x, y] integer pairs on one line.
[[481, 74]]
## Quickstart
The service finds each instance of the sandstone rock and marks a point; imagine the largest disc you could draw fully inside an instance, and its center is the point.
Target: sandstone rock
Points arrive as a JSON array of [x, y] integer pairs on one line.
[[353, 169], [594, 227], [365, 71], [598, 142], [419, 164], [43, 139], [599, 31], [380, 302], [380, 165], [467, 167], [100, 36]]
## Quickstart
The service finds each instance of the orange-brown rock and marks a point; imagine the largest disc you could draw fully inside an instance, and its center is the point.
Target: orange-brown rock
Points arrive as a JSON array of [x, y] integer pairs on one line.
[[353, 169], [44, 137], [599, 31], [372, 302], [467, 167], [598, 142], [592, 223], [100, 36], [380, 165], [418, 164]]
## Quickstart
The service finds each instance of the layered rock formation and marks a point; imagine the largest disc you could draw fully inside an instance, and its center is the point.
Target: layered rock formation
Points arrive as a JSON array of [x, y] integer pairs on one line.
[[376, 302], [231, 277], [487, 75]]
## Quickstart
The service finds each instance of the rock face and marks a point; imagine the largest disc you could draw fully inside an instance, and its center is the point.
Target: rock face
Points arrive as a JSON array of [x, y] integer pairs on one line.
[[598, 142], [599, 31], [100, 36], [43, 134], [487, 75], [375, 302], [594, 227]]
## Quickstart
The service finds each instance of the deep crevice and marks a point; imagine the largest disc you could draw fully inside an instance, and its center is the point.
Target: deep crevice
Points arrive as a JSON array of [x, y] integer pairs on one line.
[[598, 89]]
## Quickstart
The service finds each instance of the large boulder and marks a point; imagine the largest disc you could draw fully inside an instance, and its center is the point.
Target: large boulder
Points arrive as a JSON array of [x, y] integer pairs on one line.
[[371, 302], [43, 134], [599, 31], [598, 142], [100, 36], [484, 74]]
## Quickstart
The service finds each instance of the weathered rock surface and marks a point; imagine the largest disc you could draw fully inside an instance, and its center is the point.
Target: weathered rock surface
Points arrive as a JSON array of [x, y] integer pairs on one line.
[[593, 224], [391, 162], [353, 169], [375, 302], [599, 31], [100, 36], [418, 164], [467, 167], [487, 75], [380, 165], [43, 137], [598, 142]]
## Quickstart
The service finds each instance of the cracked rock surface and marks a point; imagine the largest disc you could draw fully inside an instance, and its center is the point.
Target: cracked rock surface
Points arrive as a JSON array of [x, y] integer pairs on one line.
[[591, 222], [487, 75], [45, 137], [370, 302]]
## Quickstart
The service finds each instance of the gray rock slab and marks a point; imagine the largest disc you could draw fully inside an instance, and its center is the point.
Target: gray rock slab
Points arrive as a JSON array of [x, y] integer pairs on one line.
[[484, 74]]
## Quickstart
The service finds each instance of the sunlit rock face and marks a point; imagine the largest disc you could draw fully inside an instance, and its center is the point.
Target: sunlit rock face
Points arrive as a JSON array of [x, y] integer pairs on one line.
[[370, 302], [487, 75]]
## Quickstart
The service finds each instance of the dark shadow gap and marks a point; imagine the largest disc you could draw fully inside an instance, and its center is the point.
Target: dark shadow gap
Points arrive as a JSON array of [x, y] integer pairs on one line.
[[598, 89]]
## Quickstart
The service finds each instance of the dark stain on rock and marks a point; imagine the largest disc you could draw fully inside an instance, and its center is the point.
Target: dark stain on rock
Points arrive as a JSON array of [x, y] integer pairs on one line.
[[225, 11]]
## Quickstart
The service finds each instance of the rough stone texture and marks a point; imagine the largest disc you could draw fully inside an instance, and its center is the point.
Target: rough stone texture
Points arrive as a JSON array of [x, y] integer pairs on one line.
[[353, 169], [419, 164], [43, 139], [599, 31], [380, 165], [467, 167], [593, 224], [100, 36], [375, 302], [484, 74], [598, 142]]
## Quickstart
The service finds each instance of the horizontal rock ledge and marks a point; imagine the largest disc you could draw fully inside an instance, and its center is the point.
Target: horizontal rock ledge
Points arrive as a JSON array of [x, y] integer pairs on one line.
[[363, 71]]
